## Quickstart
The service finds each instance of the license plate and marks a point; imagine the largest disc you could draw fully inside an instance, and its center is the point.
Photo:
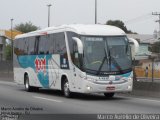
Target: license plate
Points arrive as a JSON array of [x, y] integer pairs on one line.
[[110, 88]]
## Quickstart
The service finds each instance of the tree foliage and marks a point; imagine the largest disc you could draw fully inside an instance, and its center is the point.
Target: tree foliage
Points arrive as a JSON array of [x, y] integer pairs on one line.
[[8, 52], [26, 27], [120, 24]]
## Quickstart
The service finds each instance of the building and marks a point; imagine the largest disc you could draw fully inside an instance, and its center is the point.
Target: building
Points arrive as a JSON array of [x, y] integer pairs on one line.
[[2, 47], [146, 63], [5, 34], [144, 43]]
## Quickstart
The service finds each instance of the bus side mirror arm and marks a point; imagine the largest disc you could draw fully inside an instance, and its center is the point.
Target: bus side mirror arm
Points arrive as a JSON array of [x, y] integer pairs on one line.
[[135, 48], [79, 44]]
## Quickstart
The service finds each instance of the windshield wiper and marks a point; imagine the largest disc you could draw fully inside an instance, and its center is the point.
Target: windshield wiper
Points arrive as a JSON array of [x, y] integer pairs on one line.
[[105, 58], [116, 65], [109, 59], [101, 65]]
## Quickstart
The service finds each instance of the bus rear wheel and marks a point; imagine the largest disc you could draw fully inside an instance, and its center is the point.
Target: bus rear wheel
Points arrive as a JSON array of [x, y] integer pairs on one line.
[[26, 84], [66, 90], [29, 88], [108, 95]]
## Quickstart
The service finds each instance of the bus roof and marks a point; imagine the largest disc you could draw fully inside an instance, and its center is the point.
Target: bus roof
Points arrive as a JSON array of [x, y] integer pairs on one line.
[[82, 29]]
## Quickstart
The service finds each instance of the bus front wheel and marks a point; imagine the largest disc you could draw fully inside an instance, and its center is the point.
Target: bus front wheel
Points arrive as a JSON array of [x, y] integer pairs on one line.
[[66, 90], [109, 95]]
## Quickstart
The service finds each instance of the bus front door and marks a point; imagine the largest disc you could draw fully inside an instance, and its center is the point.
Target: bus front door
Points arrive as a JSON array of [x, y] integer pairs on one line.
[[76, 78]]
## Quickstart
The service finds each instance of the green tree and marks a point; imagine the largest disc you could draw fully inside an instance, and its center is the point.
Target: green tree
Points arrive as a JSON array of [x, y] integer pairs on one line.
[[8, 51], [120, 24], [26, 27]]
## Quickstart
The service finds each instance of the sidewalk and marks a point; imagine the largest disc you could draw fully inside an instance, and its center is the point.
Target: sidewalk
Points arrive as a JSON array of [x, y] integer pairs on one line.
[[144, 79], [5, 76], [145, 87]]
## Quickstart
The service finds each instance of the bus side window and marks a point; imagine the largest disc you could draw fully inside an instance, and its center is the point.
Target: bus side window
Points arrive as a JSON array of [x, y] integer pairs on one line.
[[47, 46], [21, 46], [16, 50], [41, 45], [26, 46], [60, 44], [31, 44], [51, 44]]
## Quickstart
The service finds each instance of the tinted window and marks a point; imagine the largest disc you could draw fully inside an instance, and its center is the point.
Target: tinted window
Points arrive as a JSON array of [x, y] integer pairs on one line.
[[42, 48], [21, 45], [73, 48], [60, 44], [51, 44], [16, 46], [47, 44], [25, 46], [31, 45], [70, 40], [56, 43]]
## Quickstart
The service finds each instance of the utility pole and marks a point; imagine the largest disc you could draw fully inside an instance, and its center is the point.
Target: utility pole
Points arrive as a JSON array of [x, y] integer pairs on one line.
[[49, 5], [12, 38], [95, 11], [157, 14]]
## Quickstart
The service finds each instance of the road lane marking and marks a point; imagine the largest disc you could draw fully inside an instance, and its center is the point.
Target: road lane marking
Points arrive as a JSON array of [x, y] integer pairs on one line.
[[53, 100], [150, 100], [147, 100]]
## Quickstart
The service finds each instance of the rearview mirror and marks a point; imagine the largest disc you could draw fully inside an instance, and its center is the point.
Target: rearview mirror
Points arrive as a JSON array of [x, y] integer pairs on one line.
[[79, 44], [134, 47]]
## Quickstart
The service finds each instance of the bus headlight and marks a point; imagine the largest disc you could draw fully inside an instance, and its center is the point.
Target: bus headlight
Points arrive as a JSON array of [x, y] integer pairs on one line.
[[129, 87], [130, 79], [89, 88]]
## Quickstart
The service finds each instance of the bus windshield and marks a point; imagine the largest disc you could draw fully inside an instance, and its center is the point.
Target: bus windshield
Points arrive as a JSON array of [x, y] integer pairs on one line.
[[106, 55]]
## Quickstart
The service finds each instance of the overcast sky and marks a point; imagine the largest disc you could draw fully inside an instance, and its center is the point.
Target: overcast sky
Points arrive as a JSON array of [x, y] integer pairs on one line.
[[135, 13]]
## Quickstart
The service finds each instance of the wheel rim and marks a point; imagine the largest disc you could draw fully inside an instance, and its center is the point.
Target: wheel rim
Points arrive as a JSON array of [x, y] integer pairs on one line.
[[66, 89], [27, 84]]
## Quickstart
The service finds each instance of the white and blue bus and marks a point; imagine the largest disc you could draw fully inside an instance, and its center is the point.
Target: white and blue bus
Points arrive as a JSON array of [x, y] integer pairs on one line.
[[74, 58]]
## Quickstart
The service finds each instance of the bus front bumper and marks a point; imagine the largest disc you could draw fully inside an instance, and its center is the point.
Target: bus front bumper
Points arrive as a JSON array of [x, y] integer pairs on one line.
[[91, 87]]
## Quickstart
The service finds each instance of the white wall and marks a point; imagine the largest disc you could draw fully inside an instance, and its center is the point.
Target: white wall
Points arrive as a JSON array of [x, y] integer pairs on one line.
[[1, 40]]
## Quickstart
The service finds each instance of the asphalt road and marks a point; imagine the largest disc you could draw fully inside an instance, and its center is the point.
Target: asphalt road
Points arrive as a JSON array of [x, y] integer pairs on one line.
[[13, 98]]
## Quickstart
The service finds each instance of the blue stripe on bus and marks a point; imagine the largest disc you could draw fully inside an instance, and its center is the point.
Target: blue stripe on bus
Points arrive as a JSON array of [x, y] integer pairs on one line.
[[127, 74], [118, 77], [40, 65]]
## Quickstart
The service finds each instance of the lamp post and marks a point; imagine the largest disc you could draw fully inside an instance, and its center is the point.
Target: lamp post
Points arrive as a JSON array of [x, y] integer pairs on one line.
[[95, 11], [49, 5], [12, 39]]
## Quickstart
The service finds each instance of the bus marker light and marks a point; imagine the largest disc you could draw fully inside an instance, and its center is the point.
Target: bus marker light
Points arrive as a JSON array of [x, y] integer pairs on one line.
[[44, 33]]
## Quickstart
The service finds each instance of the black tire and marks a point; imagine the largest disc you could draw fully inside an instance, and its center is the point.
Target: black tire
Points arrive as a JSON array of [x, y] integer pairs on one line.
[[26, 84], [108, 95], [66, 90], [29, 88]]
